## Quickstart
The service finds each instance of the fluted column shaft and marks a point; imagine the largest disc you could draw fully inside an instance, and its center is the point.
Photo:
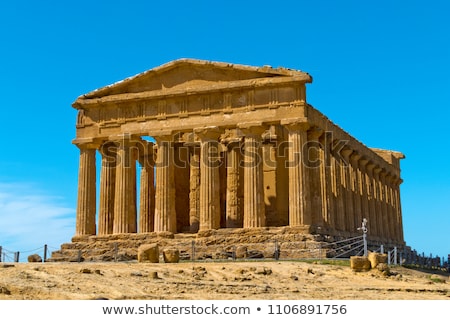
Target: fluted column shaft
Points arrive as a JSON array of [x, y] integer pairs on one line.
[[194, 188], [338, 213], [209, 177], [125, 190], [86, 204], [147, 189], [383, 205], [107, 189], [254, 207], [398, 211], [377, 198], [298, 178], [363, 191], [348, 190], [371, 198], [314, 166], [326, 182], [390, 207], [356, 190], [234, 216], [165, 214]]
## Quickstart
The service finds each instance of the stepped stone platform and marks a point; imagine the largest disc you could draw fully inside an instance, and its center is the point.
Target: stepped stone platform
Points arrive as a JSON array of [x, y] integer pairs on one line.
[[246, 243], [273, 242]]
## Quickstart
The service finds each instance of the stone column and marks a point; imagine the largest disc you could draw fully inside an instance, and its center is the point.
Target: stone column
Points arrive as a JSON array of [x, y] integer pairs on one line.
[[383, 205], [339, 213], [377, 196], [209, 177], [326, 182], [371, 199], [254, 206], [107, 188], [147, 188], [125, 191], [299, 213], [194, 188], [363, 191], [165, 214], [234, 216], [334, 193], [398, 210], [356, 176], [314, 166], [390, 208], [348, 190], [86, 204]]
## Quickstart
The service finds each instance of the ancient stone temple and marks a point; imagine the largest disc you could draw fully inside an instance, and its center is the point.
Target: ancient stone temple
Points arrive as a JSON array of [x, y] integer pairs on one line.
[[200, 148]]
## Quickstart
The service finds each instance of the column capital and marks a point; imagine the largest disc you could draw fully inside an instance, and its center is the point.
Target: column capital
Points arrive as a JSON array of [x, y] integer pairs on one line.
[[83, 144], [355, 156], [363, 161], [369, 168], [232, 136], [377, 170], [362, 164], [389, 178], [314, 133], [393, 179], [296, 124], [270, 135], [397, 181], [207, 133], [346, 152], [164, 134], [370, 165], [255, 128]]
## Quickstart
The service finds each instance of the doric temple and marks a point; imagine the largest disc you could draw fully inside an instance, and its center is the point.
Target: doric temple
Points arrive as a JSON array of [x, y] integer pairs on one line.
[[195, 145]]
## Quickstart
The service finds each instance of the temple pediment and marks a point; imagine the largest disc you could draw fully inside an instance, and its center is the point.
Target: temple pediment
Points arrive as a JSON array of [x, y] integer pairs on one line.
[[189, 75]]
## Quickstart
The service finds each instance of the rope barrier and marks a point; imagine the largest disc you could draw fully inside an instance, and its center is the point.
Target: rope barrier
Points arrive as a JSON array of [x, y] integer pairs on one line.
[[6, 255], [34, 250]]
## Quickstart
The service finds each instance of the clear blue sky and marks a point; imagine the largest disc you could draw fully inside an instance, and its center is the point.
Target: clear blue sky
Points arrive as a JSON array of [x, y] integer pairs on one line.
[[381, 71]]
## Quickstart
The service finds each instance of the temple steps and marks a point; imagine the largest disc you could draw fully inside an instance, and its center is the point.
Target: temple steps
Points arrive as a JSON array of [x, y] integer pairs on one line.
[[267, 242]]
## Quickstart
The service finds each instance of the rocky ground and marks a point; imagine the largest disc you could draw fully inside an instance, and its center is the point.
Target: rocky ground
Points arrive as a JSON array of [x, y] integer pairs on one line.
[[265, 280]]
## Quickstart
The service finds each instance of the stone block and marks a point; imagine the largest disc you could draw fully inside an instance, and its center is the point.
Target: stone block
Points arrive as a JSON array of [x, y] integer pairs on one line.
[[148, 253], [34, 258], [376, 258], [171, 255], [241, 252], [359, 264]]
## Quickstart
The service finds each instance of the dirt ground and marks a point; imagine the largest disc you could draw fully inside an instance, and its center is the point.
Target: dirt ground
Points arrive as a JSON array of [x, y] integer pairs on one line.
[[255, 280]]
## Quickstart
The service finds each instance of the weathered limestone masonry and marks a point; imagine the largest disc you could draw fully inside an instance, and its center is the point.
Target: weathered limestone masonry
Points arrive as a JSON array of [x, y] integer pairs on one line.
[[221, 146]]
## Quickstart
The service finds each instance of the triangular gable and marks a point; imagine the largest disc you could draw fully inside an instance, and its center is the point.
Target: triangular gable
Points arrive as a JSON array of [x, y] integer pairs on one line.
[[191, 74]]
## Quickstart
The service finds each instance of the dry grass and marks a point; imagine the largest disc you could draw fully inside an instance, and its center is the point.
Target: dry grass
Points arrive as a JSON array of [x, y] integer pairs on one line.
[[265, 280]]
